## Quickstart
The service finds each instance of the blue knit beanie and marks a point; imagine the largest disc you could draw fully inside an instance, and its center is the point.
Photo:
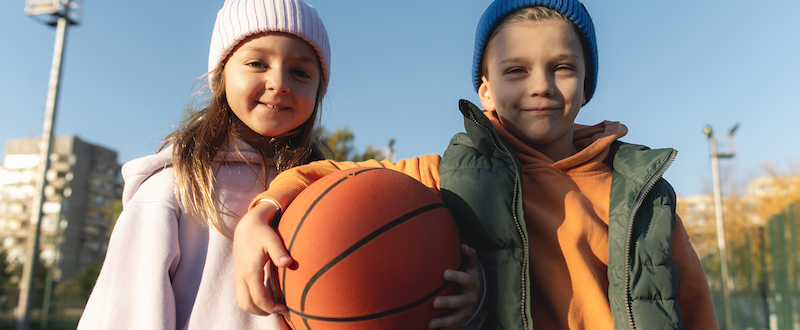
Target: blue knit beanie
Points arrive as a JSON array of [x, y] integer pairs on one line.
[[571, 9]]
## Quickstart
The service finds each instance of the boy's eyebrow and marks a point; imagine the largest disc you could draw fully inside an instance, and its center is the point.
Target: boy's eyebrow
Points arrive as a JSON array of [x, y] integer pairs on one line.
[[513, 60], [521, 59], [571, 56]]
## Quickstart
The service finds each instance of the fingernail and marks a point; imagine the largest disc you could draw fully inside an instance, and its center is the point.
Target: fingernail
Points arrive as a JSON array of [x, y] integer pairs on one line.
[[285, 260]]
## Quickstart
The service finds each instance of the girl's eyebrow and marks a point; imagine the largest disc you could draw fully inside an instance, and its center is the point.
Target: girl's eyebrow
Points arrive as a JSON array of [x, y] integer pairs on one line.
[[267, 50], [307, 59]]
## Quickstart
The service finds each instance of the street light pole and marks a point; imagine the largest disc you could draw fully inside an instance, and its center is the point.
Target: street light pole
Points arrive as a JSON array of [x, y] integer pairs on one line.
[[390, 151], [723, 251], [59, 10]]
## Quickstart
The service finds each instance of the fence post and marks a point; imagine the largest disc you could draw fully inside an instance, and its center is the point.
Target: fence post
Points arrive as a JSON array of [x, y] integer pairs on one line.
[[764, 284], [793, 268]]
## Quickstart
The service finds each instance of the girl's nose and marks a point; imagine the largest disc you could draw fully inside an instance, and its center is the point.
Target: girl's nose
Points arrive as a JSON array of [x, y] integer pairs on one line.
[[278, 82]]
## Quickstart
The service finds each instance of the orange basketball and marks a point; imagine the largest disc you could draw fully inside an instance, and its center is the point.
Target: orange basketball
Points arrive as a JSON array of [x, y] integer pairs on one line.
[[370, 247]]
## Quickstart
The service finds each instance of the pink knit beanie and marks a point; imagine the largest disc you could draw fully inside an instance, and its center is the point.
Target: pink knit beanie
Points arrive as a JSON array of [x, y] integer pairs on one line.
[[239, 19]]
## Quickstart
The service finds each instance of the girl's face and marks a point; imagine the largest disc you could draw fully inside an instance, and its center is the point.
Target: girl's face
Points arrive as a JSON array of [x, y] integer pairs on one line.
[[271, 82]]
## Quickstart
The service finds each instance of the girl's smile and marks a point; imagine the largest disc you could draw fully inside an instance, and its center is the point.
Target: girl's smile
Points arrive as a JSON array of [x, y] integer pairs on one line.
[[276, 106]]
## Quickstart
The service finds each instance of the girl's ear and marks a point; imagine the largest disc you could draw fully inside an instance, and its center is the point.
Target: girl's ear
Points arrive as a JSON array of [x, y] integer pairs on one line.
[[485, 94]]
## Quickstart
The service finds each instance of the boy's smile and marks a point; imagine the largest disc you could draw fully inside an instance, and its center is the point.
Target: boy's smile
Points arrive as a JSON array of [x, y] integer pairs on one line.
[[533, 78]]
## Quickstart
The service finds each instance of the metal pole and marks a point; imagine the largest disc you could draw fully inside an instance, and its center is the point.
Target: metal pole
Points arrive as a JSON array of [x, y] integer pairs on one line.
[[723, 251], [48, 284], [45, 148]]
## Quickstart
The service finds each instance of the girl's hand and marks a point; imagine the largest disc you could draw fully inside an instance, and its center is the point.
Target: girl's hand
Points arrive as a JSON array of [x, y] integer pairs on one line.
[[465, 303], [254, 243]]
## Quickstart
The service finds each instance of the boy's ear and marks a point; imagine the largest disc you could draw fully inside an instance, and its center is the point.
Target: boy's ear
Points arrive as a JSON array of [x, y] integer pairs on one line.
[[485, 95]]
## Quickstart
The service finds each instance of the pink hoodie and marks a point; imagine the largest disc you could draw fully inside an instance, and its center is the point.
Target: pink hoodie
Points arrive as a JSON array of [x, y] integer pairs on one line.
[[164, 270]]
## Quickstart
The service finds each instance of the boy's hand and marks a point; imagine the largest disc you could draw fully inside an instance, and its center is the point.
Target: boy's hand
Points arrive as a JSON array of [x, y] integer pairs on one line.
[[465, 303], [255, 242]]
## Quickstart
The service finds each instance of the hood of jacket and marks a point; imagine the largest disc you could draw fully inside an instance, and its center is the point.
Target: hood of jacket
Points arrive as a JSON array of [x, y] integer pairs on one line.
[[136, 171]]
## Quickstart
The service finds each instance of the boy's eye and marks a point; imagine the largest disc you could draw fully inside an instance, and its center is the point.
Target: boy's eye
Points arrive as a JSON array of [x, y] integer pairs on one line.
[[515, 70], [564, 68]]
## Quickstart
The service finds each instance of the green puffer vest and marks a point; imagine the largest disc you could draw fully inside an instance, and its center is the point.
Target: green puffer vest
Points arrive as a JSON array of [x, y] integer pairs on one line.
[[481, 185]]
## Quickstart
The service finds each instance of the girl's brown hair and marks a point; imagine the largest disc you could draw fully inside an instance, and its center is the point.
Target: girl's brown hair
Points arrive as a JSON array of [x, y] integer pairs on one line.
[[200, 137]]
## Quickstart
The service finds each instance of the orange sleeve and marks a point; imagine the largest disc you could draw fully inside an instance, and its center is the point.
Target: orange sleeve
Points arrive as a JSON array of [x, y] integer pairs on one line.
[[694, 296], [287, 185]]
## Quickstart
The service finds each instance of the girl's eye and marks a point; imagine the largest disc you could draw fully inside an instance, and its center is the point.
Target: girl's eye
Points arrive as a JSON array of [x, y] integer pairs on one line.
[[301, 73], [256, 64]]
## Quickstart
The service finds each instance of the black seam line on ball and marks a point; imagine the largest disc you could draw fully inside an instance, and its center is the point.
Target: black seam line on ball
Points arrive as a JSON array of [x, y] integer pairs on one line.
[[363, 241], [376, 315], [296, 230]]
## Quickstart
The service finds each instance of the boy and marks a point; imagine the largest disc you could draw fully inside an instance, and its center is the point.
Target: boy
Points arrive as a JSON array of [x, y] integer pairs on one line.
[[574, 229]]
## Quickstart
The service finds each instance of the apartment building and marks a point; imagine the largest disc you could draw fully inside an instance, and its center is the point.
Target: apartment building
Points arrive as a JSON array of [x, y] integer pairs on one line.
[[84, 182]]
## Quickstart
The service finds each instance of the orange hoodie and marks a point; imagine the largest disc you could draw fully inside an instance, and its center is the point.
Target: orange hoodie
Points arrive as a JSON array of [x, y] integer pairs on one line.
[[566, 214]]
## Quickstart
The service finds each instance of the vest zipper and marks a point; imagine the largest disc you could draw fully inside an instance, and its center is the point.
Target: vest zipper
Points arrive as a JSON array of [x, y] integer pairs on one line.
[[521, 233], [639, 201]]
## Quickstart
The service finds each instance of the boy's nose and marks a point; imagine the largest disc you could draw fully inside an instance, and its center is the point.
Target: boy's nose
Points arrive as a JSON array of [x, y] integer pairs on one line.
[[541, 84], [277, 82]]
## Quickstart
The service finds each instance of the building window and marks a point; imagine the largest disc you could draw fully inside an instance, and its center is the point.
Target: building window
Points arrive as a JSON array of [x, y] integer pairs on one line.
[[16, 208], [13, 225], [91, 230], [21, 161], [49, 223], [51, 208], [99, 199]]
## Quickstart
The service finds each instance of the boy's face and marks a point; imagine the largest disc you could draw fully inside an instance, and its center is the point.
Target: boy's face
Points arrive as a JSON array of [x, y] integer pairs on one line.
[[533, 77]]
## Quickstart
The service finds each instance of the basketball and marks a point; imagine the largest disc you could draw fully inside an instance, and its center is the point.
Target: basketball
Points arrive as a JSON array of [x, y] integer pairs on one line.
[[370, 247]]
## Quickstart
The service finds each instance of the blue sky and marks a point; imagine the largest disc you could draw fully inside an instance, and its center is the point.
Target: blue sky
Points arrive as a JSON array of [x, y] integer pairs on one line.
[[667, 69]]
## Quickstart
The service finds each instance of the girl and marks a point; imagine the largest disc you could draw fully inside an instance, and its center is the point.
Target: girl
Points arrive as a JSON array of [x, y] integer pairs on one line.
[[169, 262]]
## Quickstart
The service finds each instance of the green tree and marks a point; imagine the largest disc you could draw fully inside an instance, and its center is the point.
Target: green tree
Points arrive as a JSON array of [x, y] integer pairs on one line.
[[116, 210], [371, 152], [8, 288], [79, 287], [340, 144], [187, 113], [86, 279]]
